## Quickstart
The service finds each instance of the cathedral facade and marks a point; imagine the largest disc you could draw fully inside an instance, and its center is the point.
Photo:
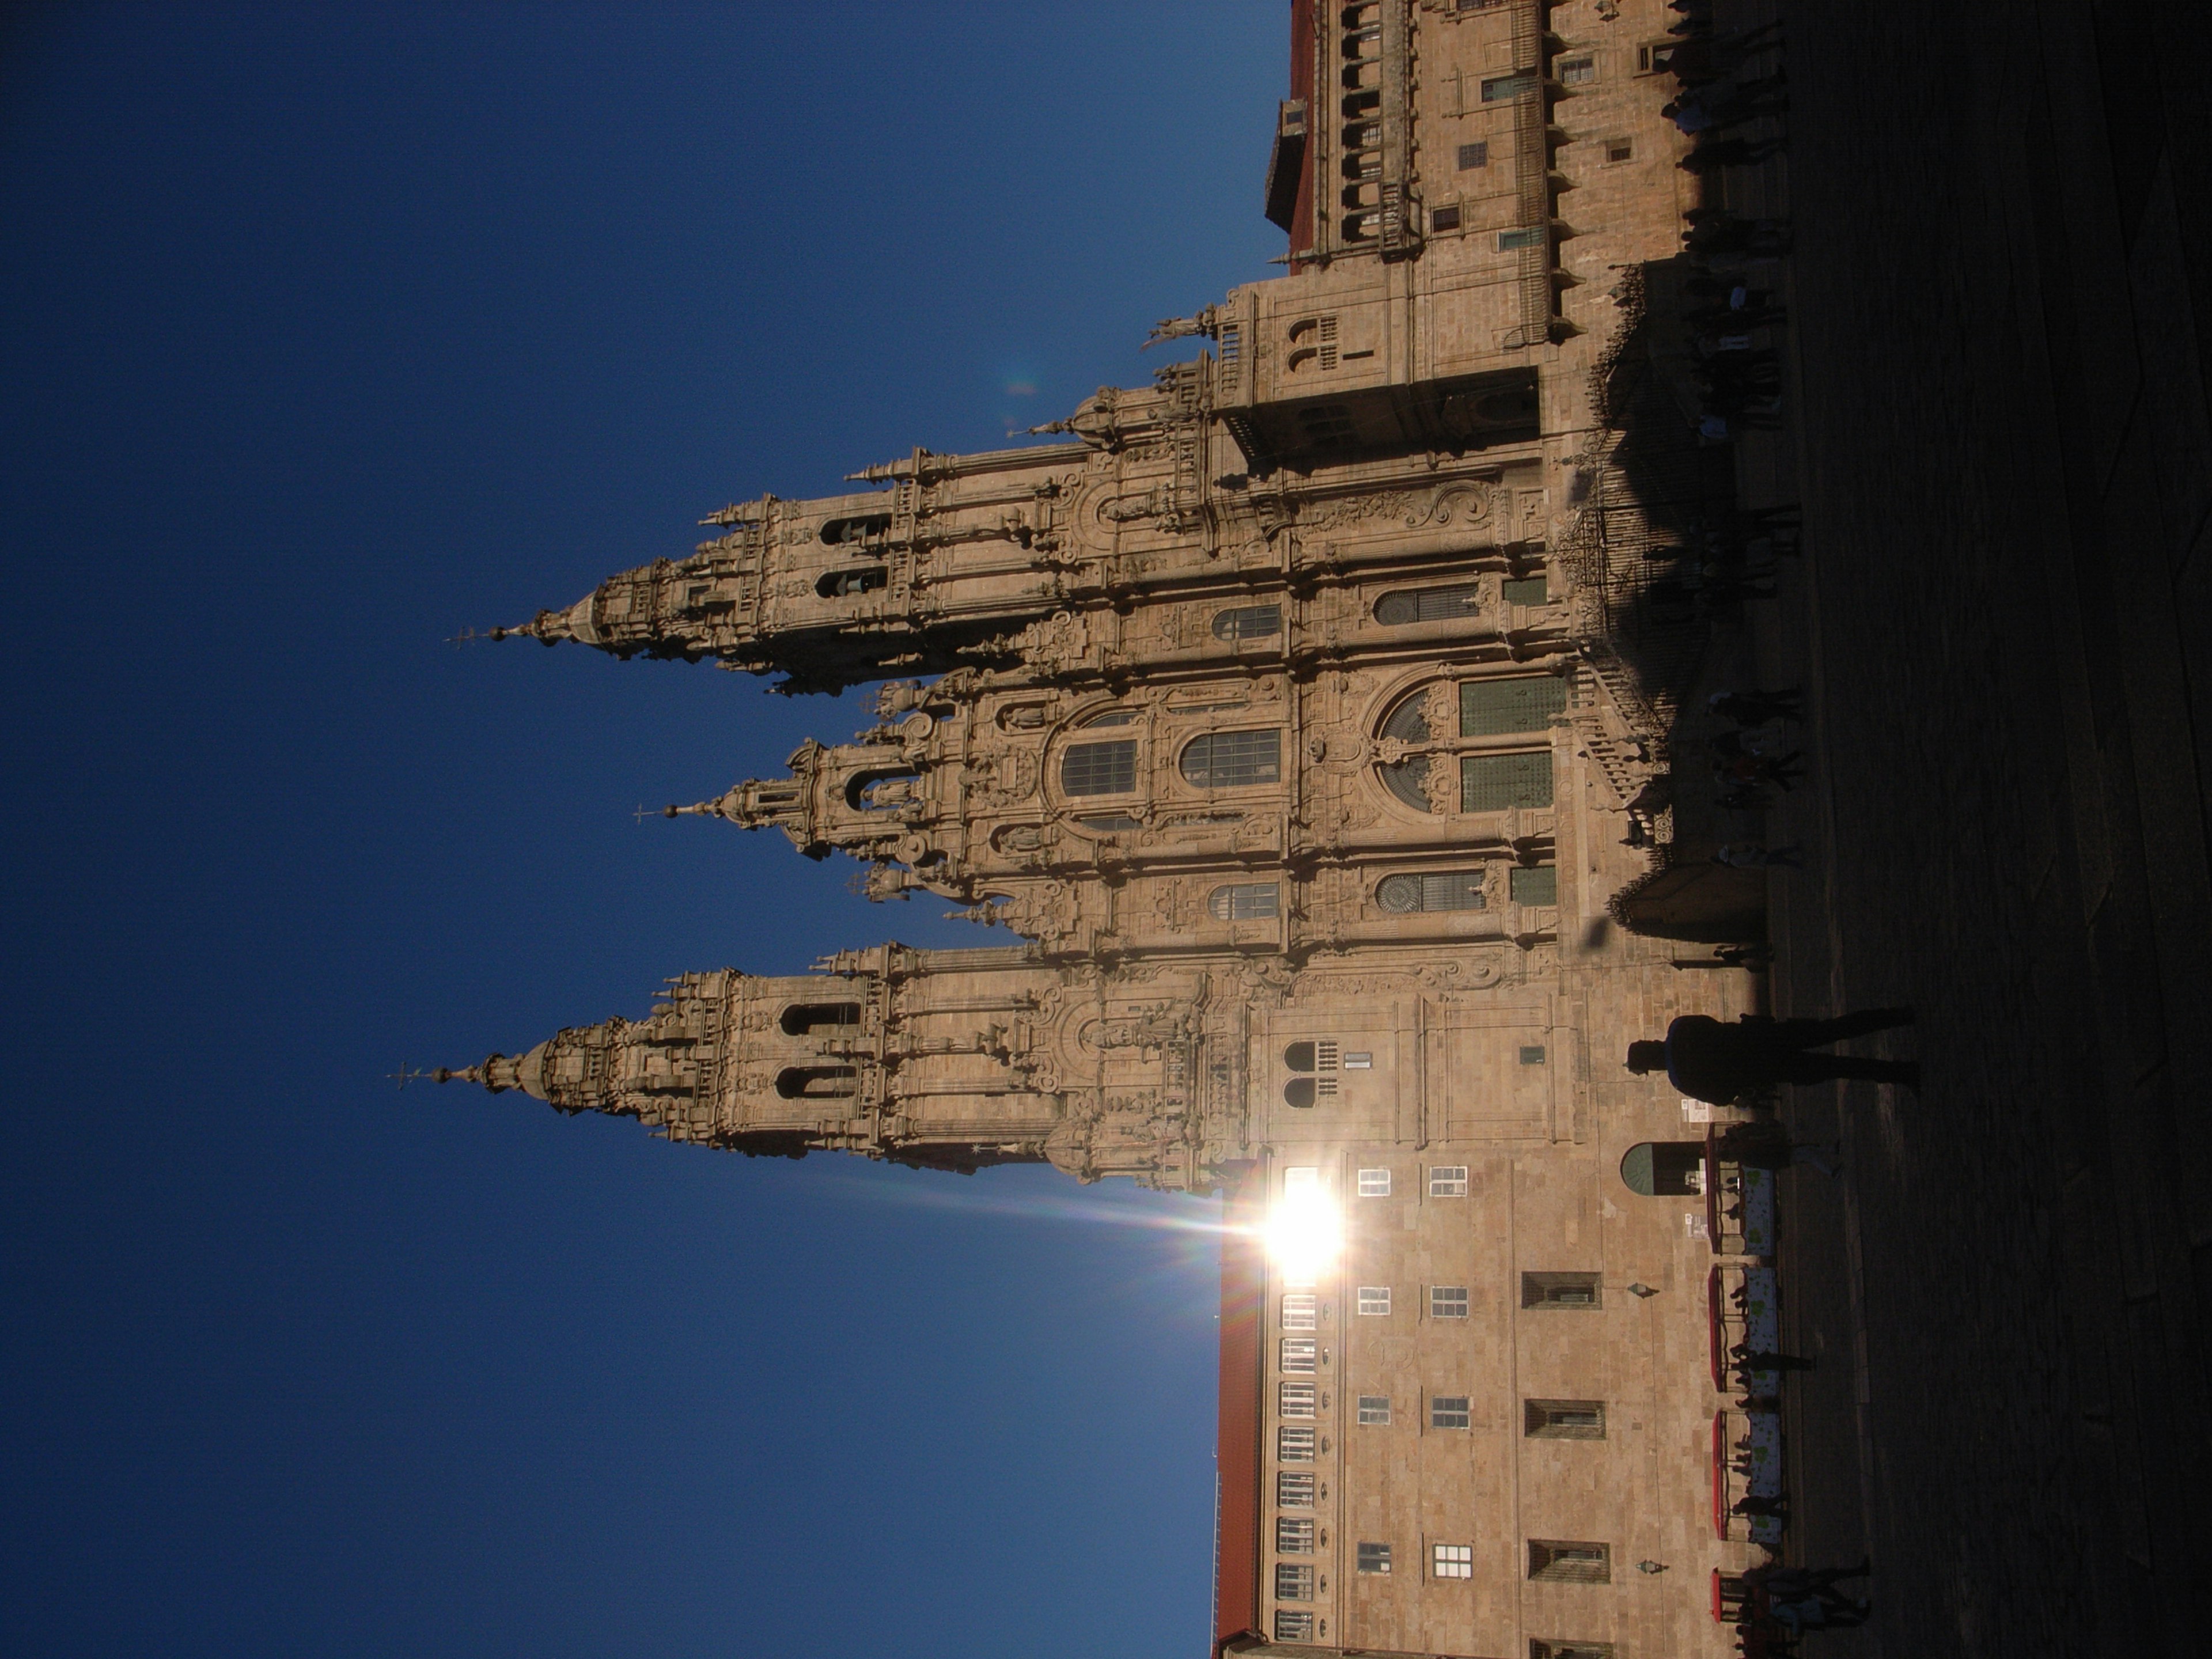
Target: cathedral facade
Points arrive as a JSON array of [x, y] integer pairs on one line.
[[1281, 714]]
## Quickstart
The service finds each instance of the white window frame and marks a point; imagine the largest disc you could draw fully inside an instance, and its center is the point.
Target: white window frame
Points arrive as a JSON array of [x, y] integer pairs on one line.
[[1301, 1312], [1375, 1411], [1375, 1301], [1448, 1301], [1375, 1183], [1448, 1180], [1451, 1560]]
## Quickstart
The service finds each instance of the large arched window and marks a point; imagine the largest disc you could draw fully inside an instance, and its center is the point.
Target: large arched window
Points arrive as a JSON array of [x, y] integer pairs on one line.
[[858, 579], [856, 529], [804, 1018], [1099, 769], [1249, 622], [1245, 900], [1428, 605], [1233, 760], [1459, 725], [815, 1082], [1442, 889]]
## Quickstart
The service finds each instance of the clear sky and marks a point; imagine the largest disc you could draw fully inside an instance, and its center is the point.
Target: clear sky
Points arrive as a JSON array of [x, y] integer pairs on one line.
[[330, 331]]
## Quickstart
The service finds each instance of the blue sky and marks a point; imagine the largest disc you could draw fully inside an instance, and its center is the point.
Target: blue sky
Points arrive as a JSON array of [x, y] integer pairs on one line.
[[329, 332]]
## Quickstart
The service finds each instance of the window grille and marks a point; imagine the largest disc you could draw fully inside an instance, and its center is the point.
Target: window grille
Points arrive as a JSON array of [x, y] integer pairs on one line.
[[1492, 783], [1407, 606], [1504, 88], [1577, 71], [1526, 590], [1408, 723], [1532, 1055], [1293, 1626], [1325, 1086], [1448, 1302], [1294, 1444], [1294, 1534], [1298, 1354], [1451, 1560], [1375, 1183], [1489, 708], [1300, 1312], [1112, 717], [1294, 1489], [1373, 1558], [1509, 241], [1375, 1410], [1099, 769], [1249, 621], [1297, 1399], [1563, 1419], [1325, 1053], [1294, 1582], [1245, 900], [1559, 1561], [1448, 1180], [1374, 1298], [1620, 150], [1536, 884], [1446, 889], [1473, 156], [1230, 760], [1560, 1291], [1444, 218], [1448, 1411]]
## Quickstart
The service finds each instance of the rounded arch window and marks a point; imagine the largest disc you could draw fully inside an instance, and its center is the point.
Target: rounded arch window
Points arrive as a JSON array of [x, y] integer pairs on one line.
[[1245, 900], [1249, 622], [804, 1018], [815, 1082], [1459, 725], [858, 527], [1441, 889], [1298, 1091], [1299, 1057], [860, 579], [1233, 760], [1402, 607], [1099, 769]]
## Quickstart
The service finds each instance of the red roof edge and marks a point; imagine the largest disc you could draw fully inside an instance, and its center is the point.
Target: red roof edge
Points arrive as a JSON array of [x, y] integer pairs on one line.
[[1304, 31], [1237, 1448]]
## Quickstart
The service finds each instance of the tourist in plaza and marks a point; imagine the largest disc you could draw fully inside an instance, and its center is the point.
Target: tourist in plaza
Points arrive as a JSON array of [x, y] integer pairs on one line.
[[1713, 1061]]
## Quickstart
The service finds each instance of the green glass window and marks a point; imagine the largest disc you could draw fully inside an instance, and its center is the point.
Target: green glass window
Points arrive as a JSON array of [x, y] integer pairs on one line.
[[1488, 708], [1526, 590], [1539, 885], [1492, 783]]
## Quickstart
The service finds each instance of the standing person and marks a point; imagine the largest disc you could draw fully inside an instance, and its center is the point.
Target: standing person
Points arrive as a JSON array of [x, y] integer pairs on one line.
[[1720, 1063]]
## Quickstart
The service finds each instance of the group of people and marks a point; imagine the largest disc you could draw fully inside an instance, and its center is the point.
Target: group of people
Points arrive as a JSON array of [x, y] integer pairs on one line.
[[1755, 753]]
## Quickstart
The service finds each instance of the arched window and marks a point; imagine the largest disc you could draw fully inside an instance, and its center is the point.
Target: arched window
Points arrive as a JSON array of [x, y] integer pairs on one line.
[[1111, 823], [1299, 1057], [1404, 606], [838, 531], [1099, 769], [1112, 717], [860, 579], [1245, 900], [815, 1082], [1249, 622], [1233, 760], [1445, 889], [804, 1018], [1492, 778], [1298, 1091], [1409, 779]]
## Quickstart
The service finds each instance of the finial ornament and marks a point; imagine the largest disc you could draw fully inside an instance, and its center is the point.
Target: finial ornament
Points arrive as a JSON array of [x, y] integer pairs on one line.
[[407, 1074]]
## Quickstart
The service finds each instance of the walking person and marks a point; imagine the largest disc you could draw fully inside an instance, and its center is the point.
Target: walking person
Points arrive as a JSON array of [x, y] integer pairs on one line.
[[1721, 1063]]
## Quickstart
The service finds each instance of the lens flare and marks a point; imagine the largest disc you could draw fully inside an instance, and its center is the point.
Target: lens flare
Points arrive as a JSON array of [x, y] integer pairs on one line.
[[1303, 1233]]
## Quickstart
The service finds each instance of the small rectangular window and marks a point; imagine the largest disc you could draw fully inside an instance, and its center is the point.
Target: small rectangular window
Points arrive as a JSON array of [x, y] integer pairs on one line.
[[1526, 590], [1473, 156], [1452, 1560], [1294, 1489], [1448, 1411], [1509, 241], [1297, 1399], [1532, 1054], [1375, 1183], [1538, 884], [1448, 1180], [1447, 1301], [1560, 1291], [1375, 1410], [1374, 1558], [1577, 71], [1504, 88], [1294, 1580], [1358, 1060], [1374, 1298], [1293, 1626], [1294, 1445], [1298, 1355], [1570, 1650], [1656, 59], [1561, 1561], [1294, 1534], [1300, 1311], [1563, 1419], [1444, 218], [1620, 150]]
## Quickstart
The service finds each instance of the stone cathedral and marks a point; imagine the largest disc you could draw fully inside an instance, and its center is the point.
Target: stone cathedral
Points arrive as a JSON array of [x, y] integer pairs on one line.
[[1301, 719]]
